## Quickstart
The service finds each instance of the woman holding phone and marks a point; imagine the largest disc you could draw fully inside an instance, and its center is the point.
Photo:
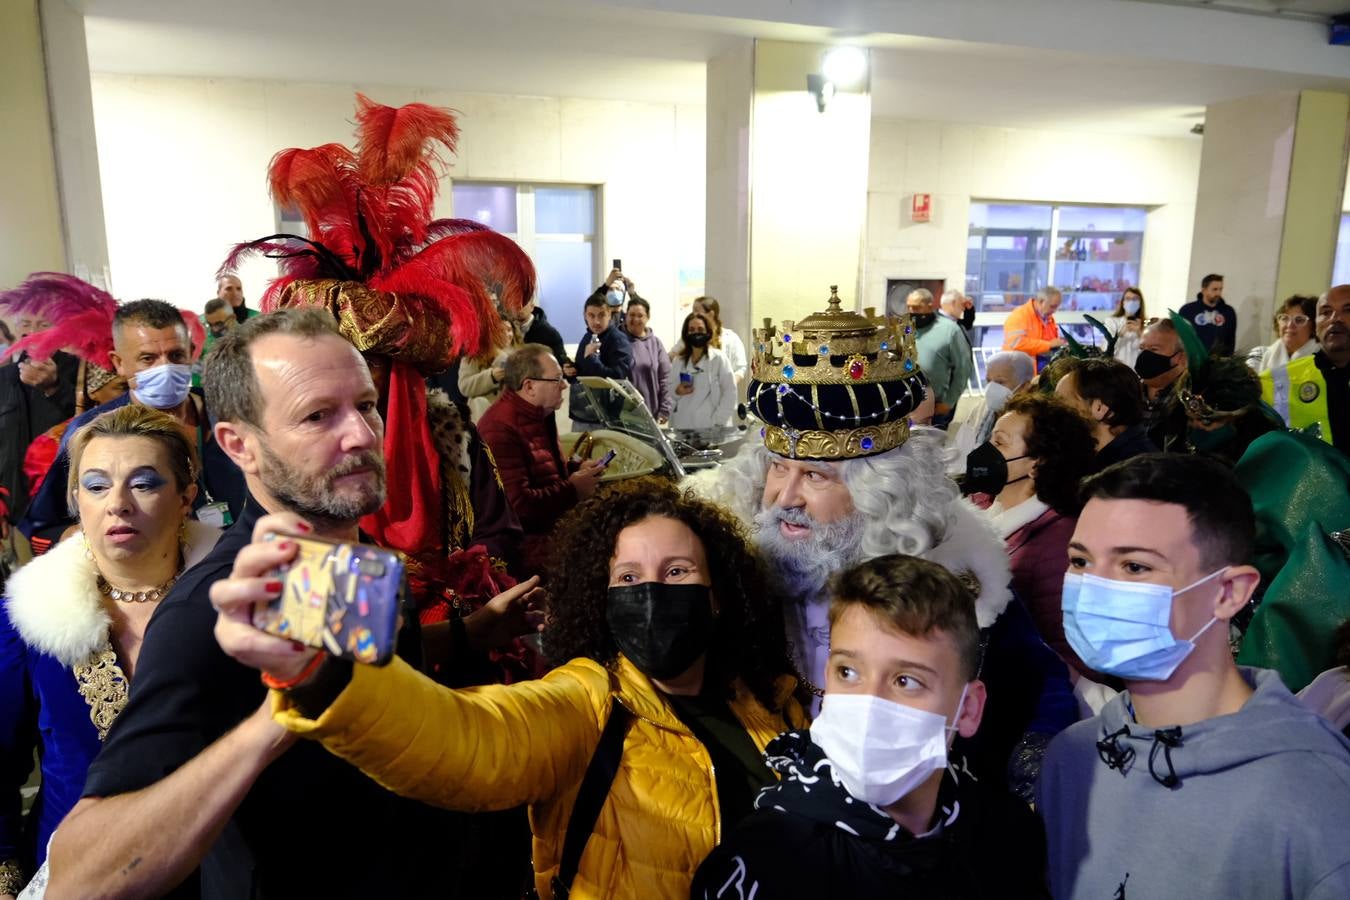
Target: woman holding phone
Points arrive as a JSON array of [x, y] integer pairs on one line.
[[673, 683], [701, 380], [73, 619]]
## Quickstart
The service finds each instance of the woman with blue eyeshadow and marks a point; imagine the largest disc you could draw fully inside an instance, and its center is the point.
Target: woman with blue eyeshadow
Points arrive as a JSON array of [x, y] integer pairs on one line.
[[72, 620]]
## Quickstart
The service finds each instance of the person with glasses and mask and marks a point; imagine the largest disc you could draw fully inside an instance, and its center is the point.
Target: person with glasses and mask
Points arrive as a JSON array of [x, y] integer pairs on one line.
[[635, 754], [874, 801], [1202, 779], [521, 430], [1294, 335]]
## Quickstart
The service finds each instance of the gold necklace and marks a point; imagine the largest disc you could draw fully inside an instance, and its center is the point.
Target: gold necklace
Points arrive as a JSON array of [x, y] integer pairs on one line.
[[148, 596]]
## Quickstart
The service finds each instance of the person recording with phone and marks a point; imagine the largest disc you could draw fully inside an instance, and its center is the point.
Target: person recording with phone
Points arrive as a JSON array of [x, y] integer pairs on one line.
[[701, 380], [195, 772], [604, 350], [635, 754]]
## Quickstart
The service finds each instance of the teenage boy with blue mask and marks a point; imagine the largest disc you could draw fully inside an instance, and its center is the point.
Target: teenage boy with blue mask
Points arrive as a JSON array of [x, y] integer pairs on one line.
[[1202, 779], [871, 802]]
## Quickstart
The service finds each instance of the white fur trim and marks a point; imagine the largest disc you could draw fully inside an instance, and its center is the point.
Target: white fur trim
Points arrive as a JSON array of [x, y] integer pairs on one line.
[[54, 601], [973, 545], [1009, 520]]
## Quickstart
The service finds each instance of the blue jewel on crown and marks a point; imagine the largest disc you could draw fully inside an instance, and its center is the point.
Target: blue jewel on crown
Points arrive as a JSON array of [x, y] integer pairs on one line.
[[824, 350], [885, 345], [762, 432], [909, 329], [909, 364], [787, 338], [789, 370], [866, 443]]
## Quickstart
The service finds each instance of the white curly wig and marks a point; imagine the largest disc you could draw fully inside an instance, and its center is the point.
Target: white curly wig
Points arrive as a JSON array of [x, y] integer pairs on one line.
[[907, 502]]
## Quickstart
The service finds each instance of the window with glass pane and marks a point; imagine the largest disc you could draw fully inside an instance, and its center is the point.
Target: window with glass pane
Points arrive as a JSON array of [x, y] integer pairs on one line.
[[564, 210], [565, 270], [493, 205], [1091, 253]]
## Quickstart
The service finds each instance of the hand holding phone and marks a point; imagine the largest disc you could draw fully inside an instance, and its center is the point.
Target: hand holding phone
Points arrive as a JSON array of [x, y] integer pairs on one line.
[[608, 458], [343, 598]]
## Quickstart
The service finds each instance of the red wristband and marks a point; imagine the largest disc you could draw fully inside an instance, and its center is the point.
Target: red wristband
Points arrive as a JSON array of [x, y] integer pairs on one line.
[[310, 668]]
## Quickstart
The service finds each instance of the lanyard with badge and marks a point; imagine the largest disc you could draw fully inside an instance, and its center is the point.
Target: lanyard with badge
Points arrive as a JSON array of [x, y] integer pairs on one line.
[[215, 513]]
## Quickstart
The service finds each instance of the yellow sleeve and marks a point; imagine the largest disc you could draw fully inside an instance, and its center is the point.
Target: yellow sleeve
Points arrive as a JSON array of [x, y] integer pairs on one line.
[[484, 748]]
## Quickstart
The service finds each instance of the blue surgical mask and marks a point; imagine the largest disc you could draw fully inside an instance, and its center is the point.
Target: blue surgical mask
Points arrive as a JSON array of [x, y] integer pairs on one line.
[[1122, 628], [163, 387]]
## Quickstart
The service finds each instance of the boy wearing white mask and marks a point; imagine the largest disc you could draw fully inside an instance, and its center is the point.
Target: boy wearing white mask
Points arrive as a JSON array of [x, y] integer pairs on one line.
[[153, 350], [870, 803], [1202, 779]]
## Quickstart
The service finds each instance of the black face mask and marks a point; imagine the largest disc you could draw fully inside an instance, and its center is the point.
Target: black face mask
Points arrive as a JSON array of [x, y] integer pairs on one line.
[[923, 320], [699, 340], [968, 318], [987, 471], [662, 628], [1151, 365]]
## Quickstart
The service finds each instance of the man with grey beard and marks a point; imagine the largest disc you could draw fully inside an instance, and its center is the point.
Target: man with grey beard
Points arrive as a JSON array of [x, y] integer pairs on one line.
[[841, 476]]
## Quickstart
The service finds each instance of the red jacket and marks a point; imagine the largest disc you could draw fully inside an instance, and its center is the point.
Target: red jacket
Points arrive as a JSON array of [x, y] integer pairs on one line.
[[524, 439]]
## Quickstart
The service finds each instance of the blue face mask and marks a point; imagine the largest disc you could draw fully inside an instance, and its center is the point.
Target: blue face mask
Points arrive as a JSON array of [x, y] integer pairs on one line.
[[1122, 628], [162, 387]]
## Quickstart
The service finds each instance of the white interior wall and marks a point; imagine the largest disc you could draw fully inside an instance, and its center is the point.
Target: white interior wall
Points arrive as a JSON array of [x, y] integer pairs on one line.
[[957, 163], [184, 161], [183, 164]]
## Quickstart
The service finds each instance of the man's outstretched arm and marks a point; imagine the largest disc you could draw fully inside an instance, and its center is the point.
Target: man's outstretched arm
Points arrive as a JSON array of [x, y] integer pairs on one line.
[[146, 842]]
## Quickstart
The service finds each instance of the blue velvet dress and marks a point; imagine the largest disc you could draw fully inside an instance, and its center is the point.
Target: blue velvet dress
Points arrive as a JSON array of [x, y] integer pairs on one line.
[[40, 706]]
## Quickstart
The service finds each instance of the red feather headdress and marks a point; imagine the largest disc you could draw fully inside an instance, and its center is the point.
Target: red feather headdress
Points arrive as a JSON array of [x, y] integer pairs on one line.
[[369, 216]]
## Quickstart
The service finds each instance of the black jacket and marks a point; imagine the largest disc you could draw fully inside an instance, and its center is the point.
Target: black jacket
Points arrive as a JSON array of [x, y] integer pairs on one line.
[[808, 838], [26, 413], [1131, 442], [541, 331]]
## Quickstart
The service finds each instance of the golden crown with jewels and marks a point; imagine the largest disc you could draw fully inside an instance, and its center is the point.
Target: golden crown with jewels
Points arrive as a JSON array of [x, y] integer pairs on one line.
[[836, 385], [835, 347]]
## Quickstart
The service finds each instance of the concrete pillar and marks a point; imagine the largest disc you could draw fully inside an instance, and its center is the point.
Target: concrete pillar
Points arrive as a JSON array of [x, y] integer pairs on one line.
[[30, 212], [1268, 203], [52, 212], [787, 184]]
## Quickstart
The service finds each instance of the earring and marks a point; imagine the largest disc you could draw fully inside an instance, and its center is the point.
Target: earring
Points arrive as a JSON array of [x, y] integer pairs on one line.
[[88, 551]]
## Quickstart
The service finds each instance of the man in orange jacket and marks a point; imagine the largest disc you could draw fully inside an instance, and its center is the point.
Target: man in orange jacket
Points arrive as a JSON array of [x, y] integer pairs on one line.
[[1031, 327]]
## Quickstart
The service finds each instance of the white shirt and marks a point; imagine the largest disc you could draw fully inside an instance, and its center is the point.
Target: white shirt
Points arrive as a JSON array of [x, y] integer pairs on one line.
[[714, 398], [1127, 342]]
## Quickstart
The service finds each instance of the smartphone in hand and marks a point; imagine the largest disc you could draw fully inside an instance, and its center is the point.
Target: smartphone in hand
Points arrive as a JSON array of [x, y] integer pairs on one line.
[[607, 459], [343, 598]]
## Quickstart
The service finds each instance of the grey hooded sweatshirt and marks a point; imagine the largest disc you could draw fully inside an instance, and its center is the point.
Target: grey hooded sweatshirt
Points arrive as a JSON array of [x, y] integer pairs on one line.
[[1250, 805]]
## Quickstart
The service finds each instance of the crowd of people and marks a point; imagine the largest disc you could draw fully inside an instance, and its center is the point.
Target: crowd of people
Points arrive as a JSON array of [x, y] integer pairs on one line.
[[1089, 637]]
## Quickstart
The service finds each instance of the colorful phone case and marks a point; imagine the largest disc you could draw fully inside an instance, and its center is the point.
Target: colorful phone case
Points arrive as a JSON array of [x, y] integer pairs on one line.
[[343, 598]]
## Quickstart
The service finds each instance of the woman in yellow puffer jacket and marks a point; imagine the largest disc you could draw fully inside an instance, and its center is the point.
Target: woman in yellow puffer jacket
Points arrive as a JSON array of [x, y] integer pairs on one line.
[[702, 672]]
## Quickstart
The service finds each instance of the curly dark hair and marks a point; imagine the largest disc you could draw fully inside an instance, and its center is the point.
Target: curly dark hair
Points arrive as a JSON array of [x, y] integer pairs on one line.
[[1060, 440], [748, 642]]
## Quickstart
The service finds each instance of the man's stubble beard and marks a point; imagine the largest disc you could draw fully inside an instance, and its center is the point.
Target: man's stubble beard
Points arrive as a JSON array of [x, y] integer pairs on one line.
[[312, 496]]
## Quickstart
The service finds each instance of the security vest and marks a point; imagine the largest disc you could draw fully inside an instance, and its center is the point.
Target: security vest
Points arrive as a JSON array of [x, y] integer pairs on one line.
[[1298, 392]]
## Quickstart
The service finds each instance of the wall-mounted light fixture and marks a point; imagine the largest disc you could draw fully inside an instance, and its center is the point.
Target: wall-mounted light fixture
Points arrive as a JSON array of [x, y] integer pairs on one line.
[[842, 66]]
